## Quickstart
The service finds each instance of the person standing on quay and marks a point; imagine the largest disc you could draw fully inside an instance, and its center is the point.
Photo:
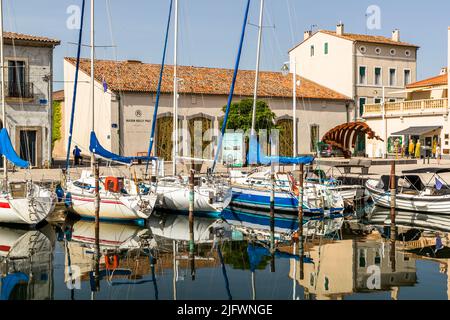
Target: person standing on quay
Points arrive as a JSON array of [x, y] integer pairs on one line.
[[438, 154], [411, 148]]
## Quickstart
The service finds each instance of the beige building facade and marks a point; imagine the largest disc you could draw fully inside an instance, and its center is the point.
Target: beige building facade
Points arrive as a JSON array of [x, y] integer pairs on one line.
[[422, 116], [124, 112], [363, 67]]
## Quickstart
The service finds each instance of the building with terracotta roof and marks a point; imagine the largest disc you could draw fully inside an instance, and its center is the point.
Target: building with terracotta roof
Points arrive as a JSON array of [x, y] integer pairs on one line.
[[125, 99], [28, 88], [357, 65], [422, 116]]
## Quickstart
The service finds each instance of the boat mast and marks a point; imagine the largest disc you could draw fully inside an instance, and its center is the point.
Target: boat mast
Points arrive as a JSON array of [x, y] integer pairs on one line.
[[2, 74], [258, 57], [92, 83], [175, 92]]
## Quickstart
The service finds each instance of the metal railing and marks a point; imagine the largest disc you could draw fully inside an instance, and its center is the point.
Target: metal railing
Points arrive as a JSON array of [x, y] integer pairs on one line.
[[19, 89], [408, 107]]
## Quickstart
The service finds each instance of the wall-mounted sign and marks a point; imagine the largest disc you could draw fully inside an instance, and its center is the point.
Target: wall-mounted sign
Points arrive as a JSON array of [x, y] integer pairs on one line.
[[43, 102]]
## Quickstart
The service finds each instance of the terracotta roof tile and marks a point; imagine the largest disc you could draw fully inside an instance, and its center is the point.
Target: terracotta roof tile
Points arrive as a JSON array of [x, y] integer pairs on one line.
[[434, 81], [10, 36], [58, 95], [369, 38], [134, 76]]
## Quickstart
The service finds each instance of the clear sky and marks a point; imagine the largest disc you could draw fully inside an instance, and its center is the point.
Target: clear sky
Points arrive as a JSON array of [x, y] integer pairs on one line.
[[210, 29]]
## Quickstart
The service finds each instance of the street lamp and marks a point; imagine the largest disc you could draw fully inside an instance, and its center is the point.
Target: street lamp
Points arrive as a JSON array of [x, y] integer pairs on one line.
[[285, 72]]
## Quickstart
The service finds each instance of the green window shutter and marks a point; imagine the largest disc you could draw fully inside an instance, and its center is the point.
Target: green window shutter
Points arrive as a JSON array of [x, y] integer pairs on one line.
[[362, 71], [377, 71], [326, 48]]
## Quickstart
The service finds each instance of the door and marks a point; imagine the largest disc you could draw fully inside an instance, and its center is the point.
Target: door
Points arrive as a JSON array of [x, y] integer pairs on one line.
[[28, 146]]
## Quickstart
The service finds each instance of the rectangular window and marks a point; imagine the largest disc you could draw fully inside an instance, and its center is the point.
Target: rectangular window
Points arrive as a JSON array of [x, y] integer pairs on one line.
[[16, 79], [407, 77], [312, 51], [377, 100], [377, 80], [362, 103], [392, 77], [392, 100], [362, 75], [325, 48], [314, 137]]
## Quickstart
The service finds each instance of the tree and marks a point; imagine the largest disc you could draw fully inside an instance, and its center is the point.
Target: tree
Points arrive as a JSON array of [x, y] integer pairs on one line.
[[240, 116]]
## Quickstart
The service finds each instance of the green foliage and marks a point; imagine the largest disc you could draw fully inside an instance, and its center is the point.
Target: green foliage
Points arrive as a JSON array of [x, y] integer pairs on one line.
[[235, 254], [57, 120], [240, 116]]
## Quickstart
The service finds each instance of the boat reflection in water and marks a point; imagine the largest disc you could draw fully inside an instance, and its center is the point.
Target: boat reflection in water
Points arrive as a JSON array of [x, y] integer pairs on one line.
[[26, 264]]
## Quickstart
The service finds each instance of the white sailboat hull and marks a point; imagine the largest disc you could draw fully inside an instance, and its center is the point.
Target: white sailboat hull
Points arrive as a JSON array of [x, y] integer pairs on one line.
[[176, 198], [31, 210]]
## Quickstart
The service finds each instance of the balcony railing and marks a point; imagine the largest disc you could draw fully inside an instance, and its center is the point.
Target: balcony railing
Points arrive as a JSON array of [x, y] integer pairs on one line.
[[404, 108], [19, 90]]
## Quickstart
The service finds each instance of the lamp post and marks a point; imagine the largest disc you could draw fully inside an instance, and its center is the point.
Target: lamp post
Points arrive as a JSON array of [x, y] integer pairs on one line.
[[285, 72]]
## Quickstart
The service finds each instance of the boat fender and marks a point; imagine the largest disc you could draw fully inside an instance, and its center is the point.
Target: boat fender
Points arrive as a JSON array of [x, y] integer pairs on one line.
[[111, 262], [68, 200], [294, 186], [59, 193]]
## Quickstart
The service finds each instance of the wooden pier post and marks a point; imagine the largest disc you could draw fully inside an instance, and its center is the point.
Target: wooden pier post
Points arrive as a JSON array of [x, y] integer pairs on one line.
[[301, 247], [97, 225], [191, 222], [393, 233], [272, 217]]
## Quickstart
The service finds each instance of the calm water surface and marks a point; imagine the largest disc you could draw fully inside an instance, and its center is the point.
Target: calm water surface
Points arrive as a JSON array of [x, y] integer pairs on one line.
[[153, 262]]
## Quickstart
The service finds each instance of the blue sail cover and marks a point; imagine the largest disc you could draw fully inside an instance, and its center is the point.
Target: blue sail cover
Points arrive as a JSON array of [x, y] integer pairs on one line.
[[96, 148], [8, 151], [256, 156]]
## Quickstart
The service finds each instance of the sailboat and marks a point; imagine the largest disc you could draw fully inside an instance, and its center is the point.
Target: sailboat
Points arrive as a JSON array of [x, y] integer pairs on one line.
[[252, 191], [20, 202], [121, 198], [211, 194]]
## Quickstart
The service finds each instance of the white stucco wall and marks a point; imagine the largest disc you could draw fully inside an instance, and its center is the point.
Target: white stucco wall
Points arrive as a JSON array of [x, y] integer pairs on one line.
[[334, 70], [83, 110]]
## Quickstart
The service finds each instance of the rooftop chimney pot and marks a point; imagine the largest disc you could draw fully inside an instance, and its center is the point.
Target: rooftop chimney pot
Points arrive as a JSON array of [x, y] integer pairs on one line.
[[340, 29], [396, 35]]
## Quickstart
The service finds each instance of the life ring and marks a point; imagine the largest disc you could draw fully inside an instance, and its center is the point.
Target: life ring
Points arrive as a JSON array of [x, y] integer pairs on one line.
[[112, 262]]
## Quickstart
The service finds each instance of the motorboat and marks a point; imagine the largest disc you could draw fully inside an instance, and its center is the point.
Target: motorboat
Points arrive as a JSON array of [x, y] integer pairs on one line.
[[412, 194]]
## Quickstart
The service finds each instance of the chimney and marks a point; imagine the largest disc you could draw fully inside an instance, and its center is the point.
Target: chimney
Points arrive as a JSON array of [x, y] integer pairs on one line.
[[396, 35], [443, 71], [340, 29], [306, 35]]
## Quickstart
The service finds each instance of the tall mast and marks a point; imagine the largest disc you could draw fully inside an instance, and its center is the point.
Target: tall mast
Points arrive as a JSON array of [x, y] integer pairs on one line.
[[2, 75], [92, 83], [258, 57], [175, 92]]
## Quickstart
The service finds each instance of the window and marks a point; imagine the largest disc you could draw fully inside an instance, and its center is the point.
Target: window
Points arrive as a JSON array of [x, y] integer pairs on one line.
[[312, 51], [392, 52], [362, 75], [377, 100], [362, 103], [325, 48], [378, 51], [314, 137], [362, 258], [392, 100], [407, 77], [362, 49], [16, 79], [392, 77], [377, 80], [407, 53]]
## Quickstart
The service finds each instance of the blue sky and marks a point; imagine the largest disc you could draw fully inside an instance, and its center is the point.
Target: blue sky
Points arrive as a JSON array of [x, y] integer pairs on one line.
[[209, 29]]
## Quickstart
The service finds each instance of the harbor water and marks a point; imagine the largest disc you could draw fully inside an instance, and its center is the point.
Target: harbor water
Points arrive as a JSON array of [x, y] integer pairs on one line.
[[231, 260]]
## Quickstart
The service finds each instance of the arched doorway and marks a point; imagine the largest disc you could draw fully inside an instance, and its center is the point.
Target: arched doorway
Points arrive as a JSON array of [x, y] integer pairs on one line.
[[200, 136], [286, 137], [164, 133]]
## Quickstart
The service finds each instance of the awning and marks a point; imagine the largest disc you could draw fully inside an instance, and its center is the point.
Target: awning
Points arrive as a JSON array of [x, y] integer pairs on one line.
[[416, 131]]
